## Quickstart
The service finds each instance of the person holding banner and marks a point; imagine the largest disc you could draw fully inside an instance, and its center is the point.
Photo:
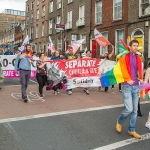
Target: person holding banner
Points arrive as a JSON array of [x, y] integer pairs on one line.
[[23, 64], [88, 55], [107, 57], [71, 56], [41, 74], [56, 56]]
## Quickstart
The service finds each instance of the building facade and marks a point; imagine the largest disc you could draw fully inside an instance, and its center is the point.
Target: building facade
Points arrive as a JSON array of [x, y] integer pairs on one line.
[[37, 23], [19, 35], [9, 18], [139, 24], [75, 15], [110, 17]]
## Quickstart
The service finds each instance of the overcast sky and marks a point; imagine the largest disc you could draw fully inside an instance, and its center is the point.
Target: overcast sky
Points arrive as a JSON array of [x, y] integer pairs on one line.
[[12, 4]]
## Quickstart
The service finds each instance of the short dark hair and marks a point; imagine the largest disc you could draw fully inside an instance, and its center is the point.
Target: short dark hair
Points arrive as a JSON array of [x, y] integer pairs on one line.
[[88, 51], [41, 54], [133, 41], [70, 47], [27, 45]]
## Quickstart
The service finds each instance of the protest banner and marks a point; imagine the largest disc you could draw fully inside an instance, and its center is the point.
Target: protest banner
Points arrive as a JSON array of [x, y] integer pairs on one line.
[[8, 62], [100, 39], [80, 72]]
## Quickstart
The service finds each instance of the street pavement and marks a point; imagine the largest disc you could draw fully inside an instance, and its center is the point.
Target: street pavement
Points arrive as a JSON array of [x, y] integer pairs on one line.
[[63, 122]]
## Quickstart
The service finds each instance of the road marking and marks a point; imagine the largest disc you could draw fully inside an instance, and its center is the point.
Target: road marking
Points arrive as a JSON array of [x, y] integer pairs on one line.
[[124, 143], [33, 81], [63, 113], [32, 96]]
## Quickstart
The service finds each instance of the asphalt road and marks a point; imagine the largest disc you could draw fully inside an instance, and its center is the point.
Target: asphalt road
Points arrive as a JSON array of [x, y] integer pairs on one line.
[[78, 131]]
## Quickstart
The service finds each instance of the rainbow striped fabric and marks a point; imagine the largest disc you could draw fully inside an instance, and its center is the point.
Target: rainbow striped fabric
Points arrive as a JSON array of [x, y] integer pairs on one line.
[[121, 72], [25, 55]]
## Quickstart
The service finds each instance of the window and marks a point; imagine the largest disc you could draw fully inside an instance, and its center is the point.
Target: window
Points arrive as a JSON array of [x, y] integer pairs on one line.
[[51, 7], [50, 26], [37, 17], [5, 19], [69, 1], [58, 4], [15, 13], [13, 20], [103, 50], [81, 15], [42, 29], [36, 31], [27, 32], [98, 12], [38, 2], [69, 20], [31, 18], [119, 36], [144, 7], [58, 19], [31, 33], [83, 46], [59, 44], [27, 20], [43, 11], [117, 9], [32, 6]]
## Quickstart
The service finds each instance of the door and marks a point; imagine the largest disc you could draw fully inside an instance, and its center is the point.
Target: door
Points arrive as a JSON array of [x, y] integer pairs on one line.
[[94, 49]]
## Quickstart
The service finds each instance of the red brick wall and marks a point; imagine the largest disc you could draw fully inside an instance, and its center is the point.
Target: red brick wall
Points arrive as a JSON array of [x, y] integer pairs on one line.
[[107, 20]]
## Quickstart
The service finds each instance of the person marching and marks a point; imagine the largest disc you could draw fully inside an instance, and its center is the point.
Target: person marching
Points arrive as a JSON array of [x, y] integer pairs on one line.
[[88, 55], [147, 80], [41, 74], [130, 90], [71, 57], [23, 65], [107, 57]]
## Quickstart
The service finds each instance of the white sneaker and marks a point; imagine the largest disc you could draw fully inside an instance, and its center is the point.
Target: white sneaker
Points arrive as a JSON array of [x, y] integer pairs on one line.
[[86, 91], [147, 125], [55, 93], [69, 92]]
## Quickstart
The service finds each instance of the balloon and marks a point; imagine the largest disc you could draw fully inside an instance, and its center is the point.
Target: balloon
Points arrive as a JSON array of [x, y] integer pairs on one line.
[[125, 45]]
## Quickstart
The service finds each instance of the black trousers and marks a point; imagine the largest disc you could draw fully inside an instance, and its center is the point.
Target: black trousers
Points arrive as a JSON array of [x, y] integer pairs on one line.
[[41, 81]]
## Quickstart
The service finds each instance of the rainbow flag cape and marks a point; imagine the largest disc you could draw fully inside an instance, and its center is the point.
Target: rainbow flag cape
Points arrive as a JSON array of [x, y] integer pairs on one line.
[[121, 72]]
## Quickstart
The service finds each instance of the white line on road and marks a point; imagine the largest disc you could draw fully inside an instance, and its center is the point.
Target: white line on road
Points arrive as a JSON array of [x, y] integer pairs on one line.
[[33, 81], [63, 113], [123, 143]]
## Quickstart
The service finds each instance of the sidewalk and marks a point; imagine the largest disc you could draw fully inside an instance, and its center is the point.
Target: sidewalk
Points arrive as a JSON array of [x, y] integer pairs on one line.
[[13, 106]]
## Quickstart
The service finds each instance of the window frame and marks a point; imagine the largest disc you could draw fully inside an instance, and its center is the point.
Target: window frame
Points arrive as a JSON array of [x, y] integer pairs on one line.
[[59, 3], [114, 19], [36, 31], [116, 42], [51, 26], [84, 42], [51, 5], [37, 14], [43, 10], [42, 35], [97, 23]]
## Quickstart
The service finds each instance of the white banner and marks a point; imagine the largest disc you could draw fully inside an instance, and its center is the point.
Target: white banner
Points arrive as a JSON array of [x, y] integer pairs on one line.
[[7, 62]]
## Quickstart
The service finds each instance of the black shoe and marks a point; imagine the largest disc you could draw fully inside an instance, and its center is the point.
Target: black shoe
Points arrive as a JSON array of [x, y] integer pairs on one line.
[[139, 114], [25, 100]]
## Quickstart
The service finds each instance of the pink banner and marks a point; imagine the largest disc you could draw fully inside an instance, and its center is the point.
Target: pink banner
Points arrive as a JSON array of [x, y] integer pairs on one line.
[[13, 74]]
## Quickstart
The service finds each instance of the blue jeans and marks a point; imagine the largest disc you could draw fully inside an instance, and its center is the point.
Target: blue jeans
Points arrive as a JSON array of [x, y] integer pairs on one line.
[[130, 96]]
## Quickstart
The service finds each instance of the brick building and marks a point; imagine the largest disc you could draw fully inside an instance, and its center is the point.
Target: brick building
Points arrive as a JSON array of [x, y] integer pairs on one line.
[[110, 17], [9, 36], [37, 23], [139, 25], [10, 17], [75, 15], [19, 35]]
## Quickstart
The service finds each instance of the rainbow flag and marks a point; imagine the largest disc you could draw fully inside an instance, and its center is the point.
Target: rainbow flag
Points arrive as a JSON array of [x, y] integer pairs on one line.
[[25, 55], [121, 72]]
